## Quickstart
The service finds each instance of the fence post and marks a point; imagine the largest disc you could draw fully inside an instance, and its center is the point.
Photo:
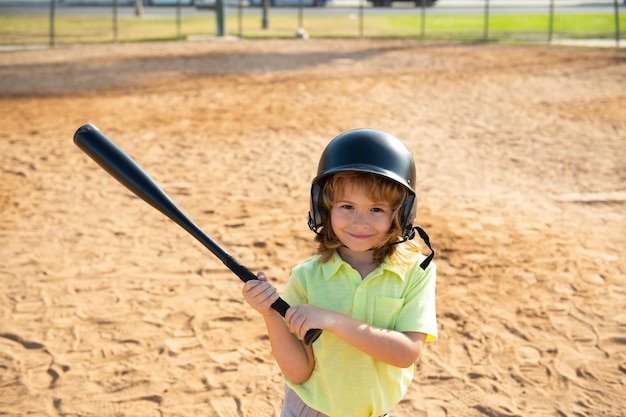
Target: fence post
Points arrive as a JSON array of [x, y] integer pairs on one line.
[[486, 34], [178, 19], [423, 28], [617, 32], [551, 22], [115, 31], [52, 18], [139, 8], [361, 18], [264, 19], [240, 18], [220, 12]]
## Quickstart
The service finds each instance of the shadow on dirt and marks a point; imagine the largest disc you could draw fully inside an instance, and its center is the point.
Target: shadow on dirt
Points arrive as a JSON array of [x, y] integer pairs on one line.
[[104, 73]]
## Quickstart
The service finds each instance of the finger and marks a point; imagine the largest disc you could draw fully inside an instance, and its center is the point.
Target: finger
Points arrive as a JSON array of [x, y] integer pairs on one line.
[[275, 295], [249, 286], [267, 293], [295, 319], [257, 292], [264, 294], [289, 314]]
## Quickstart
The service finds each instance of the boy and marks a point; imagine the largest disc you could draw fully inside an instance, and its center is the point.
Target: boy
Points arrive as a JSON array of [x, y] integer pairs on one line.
[[369, 288]]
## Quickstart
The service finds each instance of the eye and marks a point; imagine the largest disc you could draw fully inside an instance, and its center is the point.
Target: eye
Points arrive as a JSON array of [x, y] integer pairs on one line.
[[347, 206], [378, 210]]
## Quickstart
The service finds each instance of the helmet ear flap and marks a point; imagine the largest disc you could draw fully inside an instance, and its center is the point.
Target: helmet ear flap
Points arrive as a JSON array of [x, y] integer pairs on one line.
[[317, 213], [407, 216]]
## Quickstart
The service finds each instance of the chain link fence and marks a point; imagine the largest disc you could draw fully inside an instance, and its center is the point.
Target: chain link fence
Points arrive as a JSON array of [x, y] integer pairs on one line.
[[32, 23]]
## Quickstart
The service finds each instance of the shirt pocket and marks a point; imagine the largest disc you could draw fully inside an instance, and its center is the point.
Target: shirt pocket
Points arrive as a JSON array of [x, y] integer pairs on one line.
[[386, 312]]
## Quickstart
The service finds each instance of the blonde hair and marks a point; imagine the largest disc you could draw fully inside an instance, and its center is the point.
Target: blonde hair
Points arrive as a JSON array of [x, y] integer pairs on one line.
[[379, 189]]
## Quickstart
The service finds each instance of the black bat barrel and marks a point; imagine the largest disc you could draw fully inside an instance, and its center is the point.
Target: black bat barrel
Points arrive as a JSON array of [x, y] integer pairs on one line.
[[124, 169]]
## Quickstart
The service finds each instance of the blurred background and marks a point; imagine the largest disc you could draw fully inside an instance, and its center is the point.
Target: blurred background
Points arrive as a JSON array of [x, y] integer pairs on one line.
[[41, 23]]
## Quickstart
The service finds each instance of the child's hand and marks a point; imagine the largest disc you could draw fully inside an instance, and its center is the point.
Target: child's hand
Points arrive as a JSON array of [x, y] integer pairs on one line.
[[302, 318], [260, 294]]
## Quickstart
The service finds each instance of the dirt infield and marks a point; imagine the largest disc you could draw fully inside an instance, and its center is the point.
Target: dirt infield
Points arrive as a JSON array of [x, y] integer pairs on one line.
[[109, 309]]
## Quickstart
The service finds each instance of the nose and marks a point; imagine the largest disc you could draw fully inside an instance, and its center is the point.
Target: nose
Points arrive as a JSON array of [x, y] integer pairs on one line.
[[360, 219]]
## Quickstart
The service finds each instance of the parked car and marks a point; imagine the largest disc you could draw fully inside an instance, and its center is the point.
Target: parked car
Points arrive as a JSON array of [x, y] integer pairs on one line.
[[418, 3], [290, 3]]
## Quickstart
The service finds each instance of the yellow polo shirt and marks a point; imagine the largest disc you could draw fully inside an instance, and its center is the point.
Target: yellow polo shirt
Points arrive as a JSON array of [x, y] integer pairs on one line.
[[345, 381]]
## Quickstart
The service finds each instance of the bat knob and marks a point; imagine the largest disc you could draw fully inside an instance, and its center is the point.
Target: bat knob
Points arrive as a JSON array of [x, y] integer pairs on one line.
[[311, 336]]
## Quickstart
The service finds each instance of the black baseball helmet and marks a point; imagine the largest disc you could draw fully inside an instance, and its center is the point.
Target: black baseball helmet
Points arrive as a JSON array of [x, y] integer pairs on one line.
[[370, 151]]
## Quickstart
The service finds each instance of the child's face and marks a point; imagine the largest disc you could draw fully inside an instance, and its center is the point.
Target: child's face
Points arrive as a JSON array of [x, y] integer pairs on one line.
[[358, 222]]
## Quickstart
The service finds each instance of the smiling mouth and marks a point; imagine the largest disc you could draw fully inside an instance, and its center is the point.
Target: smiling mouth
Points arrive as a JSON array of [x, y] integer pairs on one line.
[[360, 237]]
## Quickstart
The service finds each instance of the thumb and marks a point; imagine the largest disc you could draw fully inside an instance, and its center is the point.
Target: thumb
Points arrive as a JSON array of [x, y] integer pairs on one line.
[[261, 276]]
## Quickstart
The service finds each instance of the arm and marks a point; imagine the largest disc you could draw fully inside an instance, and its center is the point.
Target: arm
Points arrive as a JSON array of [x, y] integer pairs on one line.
[[389, 346], [294, 358]]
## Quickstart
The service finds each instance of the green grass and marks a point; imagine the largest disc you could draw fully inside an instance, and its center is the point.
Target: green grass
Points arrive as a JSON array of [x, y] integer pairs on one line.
[[35, 29], [526, 27]]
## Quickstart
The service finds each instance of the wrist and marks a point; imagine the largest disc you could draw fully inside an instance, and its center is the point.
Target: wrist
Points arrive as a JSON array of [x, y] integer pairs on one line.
[[272, 315]]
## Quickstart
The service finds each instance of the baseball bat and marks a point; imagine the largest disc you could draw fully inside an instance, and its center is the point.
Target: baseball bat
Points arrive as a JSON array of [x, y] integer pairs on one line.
[[124, 169]]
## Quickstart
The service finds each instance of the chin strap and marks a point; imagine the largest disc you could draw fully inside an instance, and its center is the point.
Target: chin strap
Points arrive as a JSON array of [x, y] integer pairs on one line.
[[410, 235], [426, 240]]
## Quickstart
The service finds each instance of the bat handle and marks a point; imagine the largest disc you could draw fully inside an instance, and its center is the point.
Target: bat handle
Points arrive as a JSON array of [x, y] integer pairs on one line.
[[279, 305], [311, 335]]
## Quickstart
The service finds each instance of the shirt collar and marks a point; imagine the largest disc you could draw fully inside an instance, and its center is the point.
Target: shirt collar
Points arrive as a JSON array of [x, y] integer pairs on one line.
[[331, 268]]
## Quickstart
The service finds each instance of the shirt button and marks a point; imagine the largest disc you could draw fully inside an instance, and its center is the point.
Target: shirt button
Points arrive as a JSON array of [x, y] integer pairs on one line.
[[359, 290]]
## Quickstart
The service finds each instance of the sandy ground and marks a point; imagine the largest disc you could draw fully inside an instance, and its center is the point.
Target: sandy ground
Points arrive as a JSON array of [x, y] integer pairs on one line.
[[107, 308]]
